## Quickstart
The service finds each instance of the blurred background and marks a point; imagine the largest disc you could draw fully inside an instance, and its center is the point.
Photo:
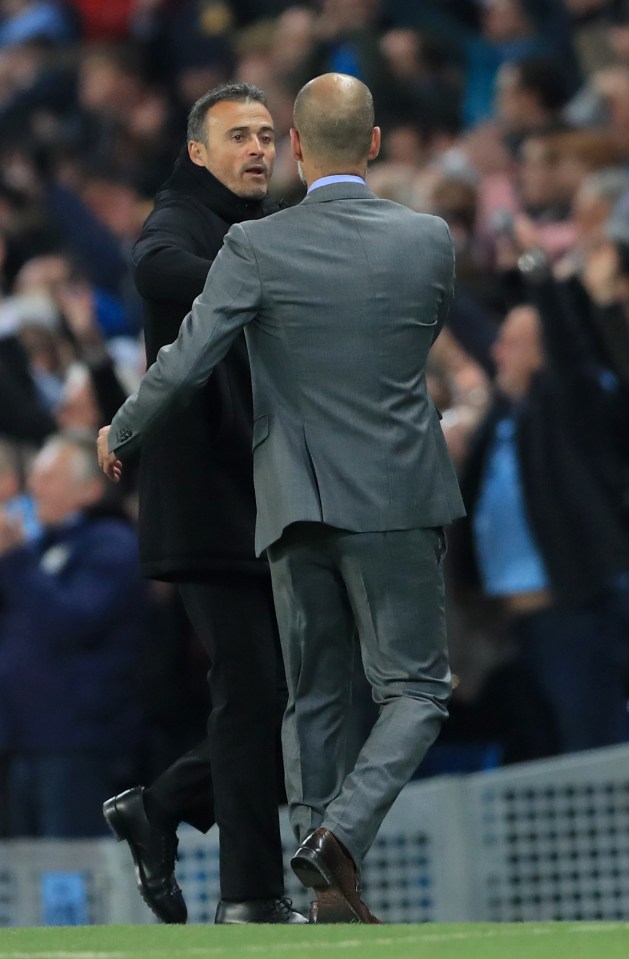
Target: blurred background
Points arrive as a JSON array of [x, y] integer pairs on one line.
[[509, 119]]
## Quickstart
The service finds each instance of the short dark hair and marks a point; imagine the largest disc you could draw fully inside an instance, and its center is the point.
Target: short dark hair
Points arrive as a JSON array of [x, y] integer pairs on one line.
[[230, 92], [543, 78]]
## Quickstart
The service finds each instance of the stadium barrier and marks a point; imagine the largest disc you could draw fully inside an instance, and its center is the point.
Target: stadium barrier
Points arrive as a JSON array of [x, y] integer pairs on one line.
[[543, 840]]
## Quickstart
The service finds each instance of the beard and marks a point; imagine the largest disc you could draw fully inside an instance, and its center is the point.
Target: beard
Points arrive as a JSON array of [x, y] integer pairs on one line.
[[255, 193]]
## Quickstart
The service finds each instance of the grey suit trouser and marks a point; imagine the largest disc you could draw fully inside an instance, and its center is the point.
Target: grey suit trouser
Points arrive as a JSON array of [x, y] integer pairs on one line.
[[388, 586]]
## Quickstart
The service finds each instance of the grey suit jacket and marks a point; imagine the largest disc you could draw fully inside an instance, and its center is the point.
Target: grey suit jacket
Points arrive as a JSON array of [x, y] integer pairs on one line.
[[342, 297]]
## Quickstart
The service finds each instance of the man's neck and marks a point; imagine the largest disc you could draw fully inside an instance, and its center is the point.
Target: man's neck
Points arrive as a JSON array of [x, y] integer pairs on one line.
[[334, 178], [311, 174]]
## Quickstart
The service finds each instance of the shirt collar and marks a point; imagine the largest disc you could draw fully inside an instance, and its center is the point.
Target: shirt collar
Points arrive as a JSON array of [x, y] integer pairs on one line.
[[335, 178]]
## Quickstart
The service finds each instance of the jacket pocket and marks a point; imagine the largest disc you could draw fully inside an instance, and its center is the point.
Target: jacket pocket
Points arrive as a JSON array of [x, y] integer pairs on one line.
[[260, 430]]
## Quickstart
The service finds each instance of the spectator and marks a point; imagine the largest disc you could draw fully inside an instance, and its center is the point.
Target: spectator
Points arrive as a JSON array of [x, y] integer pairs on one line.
[[530, 94], [71, 631], [15, 505], [508, 31], [547, 523], [605, 275], [22, 20], [23, 415], [346, 40], [428, 86], [78, 356]]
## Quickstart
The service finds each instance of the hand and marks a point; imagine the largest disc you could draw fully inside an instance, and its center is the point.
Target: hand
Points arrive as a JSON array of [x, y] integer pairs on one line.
[[107, 461], [601, 273], [76, 300], [11, 534], [525, 233], [486, 152]]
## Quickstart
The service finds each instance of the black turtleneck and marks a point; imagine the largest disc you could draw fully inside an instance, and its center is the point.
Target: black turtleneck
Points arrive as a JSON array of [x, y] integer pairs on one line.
[[193, 212], [196, 181]]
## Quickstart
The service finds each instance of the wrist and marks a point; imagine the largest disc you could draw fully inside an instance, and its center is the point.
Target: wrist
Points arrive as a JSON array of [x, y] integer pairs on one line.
[[534, 264]]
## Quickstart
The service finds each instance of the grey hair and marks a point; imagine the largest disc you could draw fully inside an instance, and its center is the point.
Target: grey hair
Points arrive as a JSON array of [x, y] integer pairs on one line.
[[82, 443]]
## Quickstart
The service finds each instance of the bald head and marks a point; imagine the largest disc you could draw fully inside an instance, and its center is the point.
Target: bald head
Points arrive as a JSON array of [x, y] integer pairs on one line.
[[334, 118]]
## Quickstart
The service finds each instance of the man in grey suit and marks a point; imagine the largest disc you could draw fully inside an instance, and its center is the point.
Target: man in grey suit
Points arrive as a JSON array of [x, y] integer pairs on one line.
[[341, 298]]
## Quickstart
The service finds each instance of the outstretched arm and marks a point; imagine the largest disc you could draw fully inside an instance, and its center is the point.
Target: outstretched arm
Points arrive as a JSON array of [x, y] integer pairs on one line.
[[230, 299]]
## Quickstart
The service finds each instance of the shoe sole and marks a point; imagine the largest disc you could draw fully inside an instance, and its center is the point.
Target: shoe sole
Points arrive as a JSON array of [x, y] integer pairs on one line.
[[310, 870], [332, 905]]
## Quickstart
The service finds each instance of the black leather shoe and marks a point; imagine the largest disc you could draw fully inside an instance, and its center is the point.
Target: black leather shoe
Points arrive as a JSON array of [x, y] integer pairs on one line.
[[154, 852], [257, 910]]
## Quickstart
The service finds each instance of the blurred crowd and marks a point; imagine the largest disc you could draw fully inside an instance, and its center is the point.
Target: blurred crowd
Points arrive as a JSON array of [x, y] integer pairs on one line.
[[509, 119]]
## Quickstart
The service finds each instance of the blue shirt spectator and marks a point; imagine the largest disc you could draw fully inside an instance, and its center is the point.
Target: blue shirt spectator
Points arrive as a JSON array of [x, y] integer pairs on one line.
[[35, 20], [508, 556]]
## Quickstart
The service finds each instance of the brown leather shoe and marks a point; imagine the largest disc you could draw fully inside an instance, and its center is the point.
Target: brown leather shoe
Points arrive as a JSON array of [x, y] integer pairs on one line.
[[322, 863]]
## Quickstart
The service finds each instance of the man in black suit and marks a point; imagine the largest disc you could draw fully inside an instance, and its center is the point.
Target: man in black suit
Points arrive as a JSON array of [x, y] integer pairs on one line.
[[197, 517]]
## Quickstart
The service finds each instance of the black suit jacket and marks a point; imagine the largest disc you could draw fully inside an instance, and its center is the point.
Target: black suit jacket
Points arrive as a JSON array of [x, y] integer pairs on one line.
[[197, 506]]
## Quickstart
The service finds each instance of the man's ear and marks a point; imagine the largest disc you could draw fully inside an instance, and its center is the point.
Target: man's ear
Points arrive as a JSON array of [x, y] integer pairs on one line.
[[374, 150], [197, 152], [295, 145]]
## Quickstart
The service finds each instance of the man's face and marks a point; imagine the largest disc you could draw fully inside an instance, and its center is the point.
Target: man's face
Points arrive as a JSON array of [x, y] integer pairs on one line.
[[56, 488], [504, 20], [518, 352], [239, 148]]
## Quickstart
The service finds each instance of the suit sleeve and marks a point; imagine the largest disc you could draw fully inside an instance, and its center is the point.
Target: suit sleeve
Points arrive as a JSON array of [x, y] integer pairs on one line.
[[230, 299]]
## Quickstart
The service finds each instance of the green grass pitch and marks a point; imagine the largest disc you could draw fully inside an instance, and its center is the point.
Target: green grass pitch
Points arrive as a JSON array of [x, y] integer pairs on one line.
[[568, 940]]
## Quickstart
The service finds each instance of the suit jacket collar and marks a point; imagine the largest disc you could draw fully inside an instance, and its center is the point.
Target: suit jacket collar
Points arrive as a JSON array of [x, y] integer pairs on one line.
[[340, 191]]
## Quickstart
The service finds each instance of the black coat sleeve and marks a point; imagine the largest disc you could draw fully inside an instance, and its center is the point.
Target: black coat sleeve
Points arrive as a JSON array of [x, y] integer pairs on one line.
[[168, 267]]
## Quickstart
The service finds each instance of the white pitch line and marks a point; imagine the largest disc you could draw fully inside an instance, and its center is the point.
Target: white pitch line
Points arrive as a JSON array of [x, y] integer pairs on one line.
[[65, 955], [600, 927]]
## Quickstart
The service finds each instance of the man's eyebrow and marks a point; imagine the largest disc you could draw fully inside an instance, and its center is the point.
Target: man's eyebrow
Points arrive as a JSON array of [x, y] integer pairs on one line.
[[247, 129]]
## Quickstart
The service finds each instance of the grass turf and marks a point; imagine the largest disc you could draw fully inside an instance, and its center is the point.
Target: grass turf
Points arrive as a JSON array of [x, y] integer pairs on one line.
[[569, 940]]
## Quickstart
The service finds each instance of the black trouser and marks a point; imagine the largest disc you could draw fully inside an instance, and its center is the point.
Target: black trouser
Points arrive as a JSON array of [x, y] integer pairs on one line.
[[234, 777]]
